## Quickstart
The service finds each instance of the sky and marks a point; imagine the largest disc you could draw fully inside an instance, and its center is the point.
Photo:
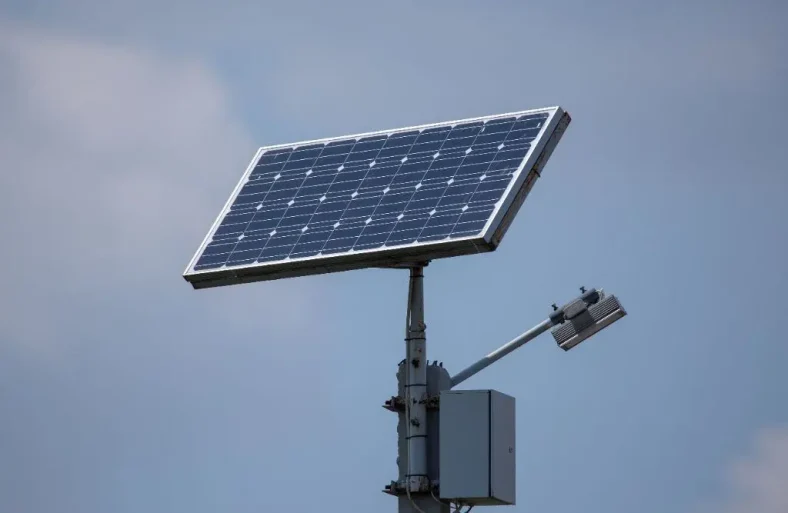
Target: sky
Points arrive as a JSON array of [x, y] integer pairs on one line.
[[125, 125]]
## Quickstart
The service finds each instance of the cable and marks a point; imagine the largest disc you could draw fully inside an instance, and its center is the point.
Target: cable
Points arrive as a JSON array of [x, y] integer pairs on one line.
[[432, 492], [413, 503]]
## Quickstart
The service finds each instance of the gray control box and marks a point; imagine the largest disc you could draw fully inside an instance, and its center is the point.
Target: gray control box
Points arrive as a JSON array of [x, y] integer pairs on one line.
[[477, 449]]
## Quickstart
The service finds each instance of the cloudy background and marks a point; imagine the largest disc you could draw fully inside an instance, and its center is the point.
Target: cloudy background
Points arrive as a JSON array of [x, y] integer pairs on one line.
[[124, 126]]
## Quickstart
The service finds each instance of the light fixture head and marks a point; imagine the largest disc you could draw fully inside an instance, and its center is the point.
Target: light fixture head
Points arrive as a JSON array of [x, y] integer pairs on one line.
[[581, 318]]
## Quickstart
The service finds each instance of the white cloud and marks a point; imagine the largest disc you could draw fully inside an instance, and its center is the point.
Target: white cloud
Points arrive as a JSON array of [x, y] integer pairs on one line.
[[114, 164], [117, 142], [758, 482]]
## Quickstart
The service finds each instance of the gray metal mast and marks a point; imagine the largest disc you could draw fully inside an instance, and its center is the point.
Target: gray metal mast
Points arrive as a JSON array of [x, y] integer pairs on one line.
[[416, 491], [417, 479]]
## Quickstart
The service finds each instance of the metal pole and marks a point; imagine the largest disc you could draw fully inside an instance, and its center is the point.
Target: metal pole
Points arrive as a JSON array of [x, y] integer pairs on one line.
[[501, 352], [417, 479]]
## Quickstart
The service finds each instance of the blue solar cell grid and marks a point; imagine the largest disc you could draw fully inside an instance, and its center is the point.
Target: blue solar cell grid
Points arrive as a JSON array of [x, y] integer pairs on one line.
[[383, 199], [376, 192]]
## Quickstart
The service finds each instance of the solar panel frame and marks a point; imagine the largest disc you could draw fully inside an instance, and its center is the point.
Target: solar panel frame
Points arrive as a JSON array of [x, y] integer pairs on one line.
[[487, 240]]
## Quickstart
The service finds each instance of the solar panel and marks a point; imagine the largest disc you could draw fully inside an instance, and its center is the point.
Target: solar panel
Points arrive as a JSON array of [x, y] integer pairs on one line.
[[381, 199]]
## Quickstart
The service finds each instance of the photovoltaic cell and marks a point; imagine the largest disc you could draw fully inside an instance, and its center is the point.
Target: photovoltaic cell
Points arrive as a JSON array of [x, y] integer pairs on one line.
[[375, 199]]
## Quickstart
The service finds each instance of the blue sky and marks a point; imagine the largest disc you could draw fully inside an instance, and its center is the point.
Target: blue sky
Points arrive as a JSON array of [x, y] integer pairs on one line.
[[126, 124]]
